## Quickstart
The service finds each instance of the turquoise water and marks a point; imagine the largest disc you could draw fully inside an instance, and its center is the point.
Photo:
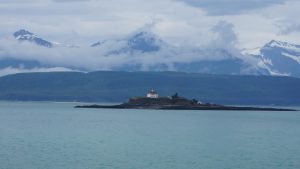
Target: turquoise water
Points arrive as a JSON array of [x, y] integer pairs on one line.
[[57, 136]]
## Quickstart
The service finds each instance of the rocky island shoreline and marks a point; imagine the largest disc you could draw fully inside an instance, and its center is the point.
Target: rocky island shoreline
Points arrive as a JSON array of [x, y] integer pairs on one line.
[[153, 101]]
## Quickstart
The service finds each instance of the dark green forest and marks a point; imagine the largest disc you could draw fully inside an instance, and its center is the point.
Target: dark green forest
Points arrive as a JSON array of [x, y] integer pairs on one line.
[[111, 86]]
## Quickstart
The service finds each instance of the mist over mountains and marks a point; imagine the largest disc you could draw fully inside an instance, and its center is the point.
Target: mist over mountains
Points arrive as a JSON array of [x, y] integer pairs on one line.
[[143, 50]]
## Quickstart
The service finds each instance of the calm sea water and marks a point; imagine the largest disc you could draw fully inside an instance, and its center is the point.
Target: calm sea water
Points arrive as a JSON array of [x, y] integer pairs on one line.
[[57, 136]]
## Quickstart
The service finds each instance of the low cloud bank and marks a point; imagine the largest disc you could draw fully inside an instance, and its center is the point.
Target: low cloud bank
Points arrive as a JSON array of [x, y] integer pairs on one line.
[[113, 54], [11, 70]]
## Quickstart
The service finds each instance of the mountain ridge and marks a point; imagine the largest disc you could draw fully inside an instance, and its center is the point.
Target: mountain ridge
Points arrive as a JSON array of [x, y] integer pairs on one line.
[[24, 35], [118, 86], [274, 58]]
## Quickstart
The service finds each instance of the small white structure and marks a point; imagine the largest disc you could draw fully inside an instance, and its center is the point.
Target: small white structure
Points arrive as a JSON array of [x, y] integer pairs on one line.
[[152, 94]]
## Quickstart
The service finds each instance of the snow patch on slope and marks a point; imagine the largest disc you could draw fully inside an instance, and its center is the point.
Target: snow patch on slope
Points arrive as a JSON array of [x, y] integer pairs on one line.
[[285, 45], [296, 58]]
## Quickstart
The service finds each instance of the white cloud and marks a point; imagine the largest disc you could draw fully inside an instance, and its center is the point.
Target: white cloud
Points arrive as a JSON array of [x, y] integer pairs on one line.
[[226, 37], [11, 70], [84, 22], [89, 58]]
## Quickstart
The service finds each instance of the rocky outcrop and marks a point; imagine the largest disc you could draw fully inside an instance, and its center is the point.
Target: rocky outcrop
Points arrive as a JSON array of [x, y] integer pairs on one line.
[[175, 103]]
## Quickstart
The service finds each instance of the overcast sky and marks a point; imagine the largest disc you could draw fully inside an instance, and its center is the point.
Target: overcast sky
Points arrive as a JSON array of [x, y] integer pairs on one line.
[[252, 22]]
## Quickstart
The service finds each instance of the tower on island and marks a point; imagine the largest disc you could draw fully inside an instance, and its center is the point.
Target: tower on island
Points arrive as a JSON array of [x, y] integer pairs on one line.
[[152, 94]]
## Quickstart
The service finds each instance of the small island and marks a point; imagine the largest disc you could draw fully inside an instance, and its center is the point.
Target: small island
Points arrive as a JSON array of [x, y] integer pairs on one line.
[[175, 102]]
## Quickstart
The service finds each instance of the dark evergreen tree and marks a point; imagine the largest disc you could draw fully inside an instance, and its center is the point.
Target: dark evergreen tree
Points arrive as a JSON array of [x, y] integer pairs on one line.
[[175, 96]]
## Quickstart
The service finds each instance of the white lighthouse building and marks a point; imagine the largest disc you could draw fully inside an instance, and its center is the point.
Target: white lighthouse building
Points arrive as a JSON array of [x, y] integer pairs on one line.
[[152, 94]]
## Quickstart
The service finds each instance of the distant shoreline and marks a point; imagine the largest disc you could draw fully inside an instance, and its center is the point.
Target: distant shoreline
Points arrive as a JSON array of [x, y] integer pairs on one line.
[[114, 103], [224, 108]]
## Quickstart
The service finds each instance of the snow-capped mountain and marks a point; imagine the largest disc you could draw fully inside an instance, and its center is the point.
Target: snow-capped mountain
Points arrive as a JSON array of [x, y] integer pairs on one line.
[[151, 53], [144, 50], [163, 56], [24, 35], [140, 42], [15, 58], [281, 44], [145, 42], [227, 63], [279, 57], [282, 57]]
